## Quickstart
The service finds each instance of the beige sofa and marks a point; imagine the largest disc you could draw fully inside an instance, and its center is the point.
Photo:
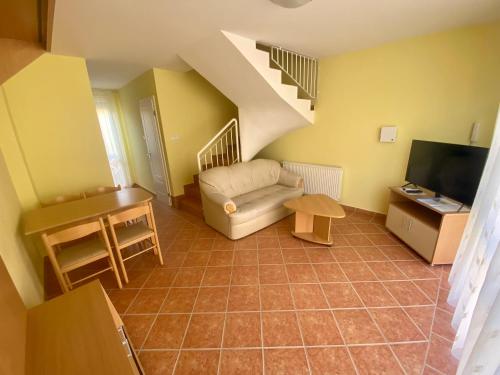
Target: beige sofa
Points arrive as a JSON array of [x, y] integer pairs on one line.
[[243, 198]]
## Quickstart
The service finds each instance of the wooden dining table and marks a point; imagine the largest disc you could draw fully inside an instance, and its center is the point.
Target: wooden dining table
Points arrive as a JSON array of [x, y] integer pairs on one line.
[[48, 218]]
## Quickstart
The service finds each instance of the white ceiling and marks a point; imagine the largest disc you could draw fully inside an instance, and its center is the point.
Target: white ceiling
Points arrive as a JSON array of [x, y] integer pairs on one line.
[[122, 38]]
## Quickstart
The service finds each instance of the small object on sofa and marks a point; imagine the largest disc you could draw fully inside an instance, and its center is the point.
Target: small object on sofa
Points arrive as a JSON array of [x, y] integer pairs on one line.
[[243, 198]]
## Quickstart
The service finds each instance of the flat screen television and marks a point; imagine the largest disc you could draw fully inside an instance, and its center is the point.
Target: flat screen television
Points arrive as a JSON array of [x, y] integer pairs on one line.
[[447, 169]]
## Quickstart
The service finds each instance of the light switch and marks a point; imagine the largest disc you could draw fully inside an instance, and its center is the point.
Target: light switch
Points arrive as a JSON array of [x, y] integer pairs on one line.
[[388, 134]]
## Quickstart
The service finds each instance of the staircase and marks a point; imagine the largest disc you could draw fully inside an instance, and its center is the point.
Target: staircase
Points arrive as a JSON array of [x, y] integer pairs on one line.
[[222, 150], [191, 201], [274, 89]]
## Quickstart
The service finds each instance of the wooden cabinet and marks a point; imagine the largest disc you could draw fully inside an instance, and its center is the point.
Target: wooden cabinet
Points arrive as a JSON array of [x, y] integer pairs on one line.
[[78, 333], [433, 234]]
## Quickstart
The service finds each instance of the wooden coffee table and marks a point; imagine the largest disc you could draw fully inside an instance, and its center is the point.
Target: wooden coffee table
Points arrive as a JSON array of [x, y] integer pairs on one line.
[[313, 216]]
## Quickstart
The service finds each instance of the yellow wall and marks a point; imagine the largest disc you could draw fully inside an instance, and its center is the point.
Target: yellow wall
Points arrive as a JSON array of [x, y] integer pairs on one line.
[[432, 87], [12, 243], [129, 96], [14, 157], [50, 144], [191, 112], [54, 117]]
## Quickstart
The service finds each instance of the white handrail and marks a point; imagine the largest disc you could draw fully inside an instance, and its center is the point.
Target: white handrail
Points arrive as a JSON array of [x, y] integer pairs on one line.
[[303, 70], [226, 139]]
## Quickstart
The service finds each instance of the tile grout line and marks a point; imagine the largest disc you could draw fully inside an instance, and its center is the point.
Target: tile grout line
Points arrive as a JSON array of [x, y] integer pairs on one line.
[[333, 315], [401, 307], [378, 327], [156, 315], [411, 319], [225, 316], [263, 367], [297, 316], [236, 348], [188, 323], [435, 369], [425, 294], [289, 287], [284, 310], [432, 326]]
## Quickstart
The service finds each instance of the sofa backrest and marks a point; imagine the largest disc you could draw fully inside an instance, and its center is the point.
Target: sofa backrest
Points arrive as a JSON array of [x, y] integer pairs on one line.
[[243, 177]]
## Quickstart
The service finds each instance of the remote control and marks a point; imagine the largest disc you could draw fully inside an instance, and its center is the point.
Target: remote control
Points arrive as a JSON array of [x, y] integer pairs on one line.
[[412, 190]]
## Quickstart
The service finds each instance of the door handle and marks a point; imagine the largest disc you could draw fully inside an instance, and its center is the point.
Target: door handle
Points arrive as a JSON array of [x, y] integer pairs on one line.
[[149, 155]]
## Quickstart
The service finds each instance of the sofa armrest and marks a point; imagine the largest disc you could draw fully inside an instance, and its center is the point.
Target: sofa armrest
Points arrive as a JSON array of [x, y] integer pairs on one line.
[[219, 199], [291, 179]]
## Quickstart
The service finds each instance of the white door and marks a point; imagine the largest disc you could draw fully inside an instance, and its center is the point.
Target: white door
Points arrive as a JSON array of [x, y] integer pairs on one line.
[[154, 146]]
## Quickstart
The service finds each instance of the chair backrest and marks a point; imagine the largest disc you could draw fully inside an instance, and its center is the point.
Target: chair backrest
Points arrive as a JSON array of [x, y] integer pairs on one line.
[[61, 199], [101, 190], [74, 232], [130, 214]]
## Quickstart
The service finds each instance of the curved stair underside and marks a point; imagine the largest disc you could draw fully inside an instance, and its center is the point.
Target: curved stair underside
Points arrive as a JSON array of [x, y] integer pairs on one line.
[[267, 107]]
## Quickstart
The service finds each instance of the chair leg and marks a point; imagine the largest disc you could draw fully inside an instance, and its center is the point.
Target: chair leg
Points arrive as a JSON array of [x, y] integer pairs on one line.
[[61, 280], [57, 270], [151, 221], [156, 248], [115, 271], [122, 264], [55, 265], [68, 281]]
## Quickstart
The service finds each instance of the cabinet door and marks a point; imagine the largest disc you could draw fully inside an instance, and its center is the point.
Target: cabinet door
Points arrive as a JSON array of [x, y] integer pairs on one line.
[[422, 237], [419, 235], [397, 221]]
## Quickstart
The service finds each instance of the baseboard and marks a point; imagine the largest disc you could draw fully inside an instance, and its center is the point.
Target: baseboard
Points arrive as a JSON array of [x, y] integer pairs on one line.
[[377, 217]]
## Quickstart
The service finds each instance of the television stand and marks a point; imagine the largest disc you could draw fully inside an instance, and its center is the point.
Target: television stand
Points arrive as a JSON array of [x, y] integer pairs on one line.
[[433, 234]]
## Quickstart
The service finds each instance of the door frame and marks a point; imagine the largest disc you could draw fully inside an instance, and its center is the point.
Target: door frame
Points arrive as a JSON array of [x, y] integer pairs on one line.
[[159, 138]]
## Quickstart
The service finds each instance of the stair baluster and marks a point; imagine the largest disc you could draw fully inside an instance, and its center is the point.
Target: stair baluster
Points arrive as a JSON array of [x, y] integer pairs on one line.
[[303, 70], [217, 149]]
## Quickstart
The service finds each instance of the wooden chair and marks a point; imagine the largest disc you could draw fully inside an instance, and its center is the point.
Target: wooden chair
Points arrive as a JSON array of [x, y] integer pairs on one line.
[[66, 254], [101, 190], [62, 199], [136, 231]]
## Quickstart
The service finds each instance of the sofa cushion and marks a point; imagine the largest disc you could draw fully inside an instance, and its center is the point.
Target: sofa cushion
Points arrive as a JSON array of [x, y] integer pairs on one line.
[[258, 202], [242, 178]]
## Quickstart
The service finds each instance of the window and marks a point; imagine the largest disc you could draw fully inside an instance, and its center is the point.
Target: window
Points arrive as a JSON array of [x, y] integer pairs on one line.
[[112, 135]]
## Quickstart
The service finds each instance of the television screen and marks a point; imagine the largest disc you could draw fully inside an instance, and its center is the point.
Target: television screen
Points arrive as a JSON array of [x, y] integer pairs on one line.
[[448, 169]]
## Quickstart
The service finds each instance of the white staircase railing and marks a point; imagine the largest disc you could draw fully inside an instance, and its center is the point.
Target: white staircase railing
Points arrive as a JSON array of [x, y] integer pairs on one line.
[[222, 149], [303, 70]]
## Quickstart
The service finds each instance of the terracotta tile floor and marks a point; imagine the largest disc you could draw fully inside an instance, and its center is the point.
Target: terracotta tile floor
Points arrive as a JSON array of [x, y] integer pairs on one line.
[[270, 303]]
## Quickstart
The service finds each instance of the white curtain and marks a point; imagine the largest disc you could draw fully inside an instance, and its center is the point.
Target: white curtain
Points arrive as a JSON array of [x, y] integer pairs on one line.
[[475, 276], [112, 135]]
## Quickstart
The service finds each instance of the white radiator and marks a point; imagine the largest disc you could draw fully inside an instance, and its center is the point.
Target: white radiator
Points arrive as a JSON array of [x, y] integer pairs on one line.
[[318, 179]]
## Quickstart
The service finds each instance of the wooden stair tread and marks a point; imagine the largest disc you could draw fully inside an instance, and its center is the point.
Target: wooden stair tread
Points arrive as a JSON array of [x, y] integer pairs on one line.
[[192, 206]]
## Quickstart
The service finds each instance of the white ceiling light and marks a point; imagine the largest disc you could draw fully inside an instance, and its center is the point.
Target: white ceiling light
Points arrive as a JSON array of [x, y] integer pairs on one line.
[[291, 3]]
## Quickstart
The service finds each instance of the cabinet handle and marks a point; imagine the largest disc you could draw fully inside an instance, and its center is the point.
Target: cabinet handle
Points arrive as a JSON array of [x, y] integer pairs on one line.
[[410, 221]]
